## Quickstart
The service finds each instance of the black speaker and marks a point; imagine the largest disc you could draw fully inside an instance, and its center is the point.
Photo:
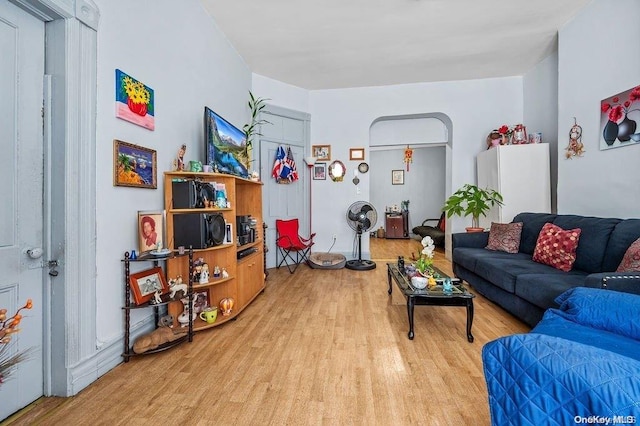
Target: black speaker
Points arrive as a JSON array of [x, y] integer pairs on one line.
[[191, 194], [198, 230]]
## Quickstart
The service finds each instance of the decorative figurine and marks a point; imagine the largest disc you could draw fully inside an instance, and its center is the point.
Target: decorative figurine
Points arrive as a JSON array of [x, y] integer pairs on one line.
[[156, 298], [176, 285], [183, 318], [225, 274], [226, 306], [494, 139], [204, 274], [216, 272], [197, 269], [178, 163]]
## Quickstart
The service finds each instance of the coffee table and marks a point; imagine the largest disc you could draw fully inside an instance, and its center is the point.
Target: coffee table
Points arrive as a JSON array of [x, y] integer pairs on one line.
[[436, 297]]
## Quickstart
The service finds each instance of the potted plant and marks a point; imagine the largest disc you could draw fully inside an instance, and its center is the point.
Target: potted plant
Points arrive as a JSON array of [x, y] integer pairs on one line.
[[256, 105], [474, 201]]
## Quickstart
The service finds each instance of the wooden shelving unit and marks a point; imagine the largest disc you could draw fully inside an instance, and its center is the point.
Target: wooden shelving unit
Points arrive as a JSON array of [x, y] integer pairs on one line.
[[246, 276]]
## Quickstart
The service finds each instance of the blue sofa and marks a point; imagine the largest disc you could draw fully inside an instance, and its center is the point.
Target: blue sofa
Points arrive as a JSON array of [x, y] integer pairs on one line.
[[579, 365], [526, 288]]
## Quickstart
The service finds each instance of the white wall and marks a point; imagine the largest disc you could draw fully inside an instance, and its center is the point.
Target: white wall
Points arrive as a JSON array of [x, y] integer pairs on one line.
[[189, 65], [280, 94], [598, 57], [342, 117], [541, 111]]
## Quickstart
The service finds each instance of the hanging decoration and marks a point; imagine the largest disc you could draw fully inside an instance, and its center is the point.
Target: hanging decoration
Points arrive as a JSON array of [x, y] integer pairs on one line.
[[575, 147], [408, 156], [284, 168]]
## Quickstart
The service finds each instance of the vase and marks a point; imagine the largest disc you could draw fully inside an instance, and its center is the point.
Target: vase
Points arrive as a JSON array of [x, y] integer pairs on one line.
[[610, 132], [626, 128], [137, 108]]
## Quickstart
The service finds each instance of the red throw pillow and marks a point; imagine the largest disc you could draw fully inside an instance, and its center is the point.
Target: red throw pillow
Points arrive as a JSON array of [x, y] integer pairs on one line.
[[631, 260], [505, 237], [557, 247]]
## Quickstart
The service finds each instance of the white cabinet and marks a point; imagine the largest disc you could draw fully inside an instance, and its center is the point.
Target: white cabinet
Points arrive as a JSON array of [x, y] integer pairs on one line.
[[521, 173]]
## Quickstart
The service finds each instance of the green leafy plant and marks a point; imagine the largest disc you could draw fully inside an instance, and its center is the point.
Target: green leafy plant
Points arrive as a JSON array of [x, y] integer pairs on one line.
[[256, 105], [472, 201]]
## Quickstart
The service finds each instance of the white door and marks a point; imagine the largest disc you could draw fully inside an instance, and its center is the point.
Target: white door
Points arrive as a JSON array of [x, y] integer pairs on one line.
[[21, 209], [286, 128]]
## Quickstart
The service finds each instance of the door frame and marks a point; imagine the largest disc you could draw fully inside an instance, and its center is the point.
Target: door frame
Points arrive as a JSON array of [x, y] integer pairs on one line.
[[69, 345], [265, 169]]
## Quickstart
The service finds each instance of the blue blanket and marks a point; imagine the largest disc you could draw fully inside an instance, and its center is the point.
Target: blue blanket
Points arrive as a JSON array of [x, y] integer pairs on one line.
[[580, 364]]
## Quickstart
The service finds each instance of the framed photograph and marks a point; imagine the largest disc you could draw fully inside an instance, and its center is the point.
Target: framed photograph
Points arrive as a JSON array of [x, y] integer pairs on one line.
[[200, 301], [144, 284], [397, 177], [321, 152], [134, 165], [356, 154], [151, 230], [320, 171]]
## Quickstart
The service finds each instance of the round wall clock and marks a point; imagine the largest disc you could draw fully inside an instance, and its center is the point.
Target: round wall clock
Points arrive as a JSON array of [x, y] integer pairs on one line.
[[363, 167]]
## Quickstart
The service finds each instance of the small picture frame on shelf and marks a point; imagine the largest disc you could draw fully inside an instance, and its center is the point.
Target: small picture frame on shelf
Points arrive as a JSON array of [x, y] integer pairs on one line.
[[145, 284], [397, 177], [356, 154], [201, 301], [151, 230], [320, 171]]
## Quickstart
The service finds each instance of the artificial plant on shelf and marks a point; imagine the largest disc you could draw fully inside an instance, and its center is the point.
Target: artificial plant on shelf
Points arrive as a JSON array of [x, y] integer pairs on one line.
[[8, 327], [470, 200], [256, 105]]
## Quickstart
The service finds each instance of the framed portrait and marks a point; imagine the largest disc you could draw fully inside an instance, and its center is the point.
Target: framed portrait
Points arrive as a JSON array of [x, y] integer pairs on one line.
[[397, 177], [144, 284], [151, 230], [321, 152], [356, 154], [320, 171], [134, 165]]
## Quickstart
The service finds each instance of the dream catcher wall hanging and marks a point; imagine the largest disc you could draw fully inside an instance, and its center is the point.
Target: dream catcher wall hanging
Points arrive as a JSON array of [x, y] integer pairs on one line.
[[575, 147]]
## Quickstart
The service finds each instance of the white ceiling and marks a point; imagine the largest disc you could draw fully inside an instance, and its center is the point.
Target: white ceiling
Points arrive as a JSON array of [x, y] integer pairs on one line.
[[328, 44]]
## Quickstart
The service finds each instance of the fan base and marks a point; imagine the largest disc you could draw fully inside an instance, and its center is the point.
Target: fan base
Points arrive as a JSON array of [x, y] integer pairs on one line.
[[360, 265]]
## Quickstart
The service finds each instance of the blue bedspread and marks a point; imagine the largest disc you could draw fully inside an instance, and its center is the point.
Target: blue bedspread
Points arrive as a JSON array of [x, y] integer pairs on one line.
[[579, 365]]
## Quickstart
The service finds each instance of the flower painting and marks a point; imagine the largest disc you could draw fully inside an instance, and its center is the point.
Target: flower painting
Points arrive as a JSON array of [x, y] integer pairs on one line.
[[134, 101], [619, 119]]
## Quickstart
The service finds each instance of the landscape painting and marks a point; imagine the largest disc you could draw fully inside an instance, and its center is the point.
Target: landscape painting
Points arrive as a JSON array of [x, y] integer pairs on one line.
[[134, 165]]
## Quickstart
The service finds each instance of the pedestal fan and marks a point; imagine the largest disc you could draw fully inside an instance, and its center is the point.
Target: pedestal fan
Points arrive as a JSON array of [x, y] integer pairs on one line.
[[361, 217]]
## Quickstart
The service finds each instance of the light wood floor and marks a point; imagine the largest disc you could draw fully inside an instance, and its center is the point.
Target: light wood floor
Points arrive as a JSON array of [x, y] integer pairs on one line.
[[317, 347]]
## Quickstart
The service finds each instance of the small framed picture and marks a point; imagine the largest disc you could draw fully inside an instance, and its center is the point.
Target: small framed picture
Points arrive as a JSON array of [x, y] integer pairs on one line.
[[397, 177], [321, 152], [356, 154], [144, 284], [134, 165], [320, 171], [201, 301], [151, 230]]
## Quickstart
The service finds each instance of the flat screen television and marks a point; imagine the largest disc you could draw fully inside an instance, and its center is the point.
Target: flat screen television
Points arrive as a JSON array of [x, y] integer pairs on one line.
[[225, 145]]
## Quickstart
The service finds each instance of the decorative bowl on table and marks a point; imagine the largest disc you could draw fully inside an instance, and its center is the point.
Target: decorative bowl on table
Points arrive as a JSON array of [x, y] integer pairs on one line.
[[419, 282]]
